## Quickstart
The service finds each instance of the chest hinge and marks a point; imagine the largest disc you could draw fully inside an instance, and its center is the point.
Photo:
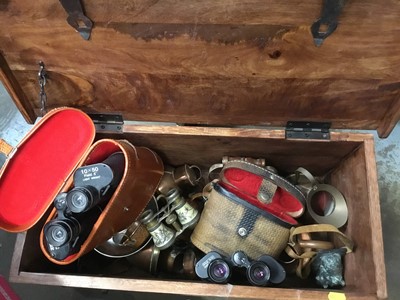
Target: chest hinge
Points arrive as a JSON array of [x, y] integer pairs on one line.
[[307, 130], [107, 122]]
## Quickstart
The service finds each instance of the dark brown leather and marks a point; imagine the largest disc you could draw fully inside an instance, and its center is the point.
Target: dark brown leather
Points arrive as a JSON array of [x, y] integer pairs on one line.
[[143, 171]]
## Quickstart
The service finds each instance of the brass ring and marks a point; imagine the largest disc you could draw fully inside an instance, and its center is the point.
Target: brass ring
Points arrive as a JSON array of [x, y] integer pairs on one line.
[[339, 212]]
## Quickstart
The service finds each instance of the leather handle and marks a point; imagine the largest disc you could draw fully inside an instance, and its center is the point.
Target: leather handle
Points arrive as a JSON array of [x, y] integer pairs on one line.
[[305, 250], [347, 243], [5, 148]]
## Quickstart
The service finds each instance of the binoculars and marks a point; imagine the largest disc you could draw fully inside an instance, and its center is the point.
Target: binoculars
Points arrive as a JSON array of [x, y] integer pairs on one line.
[[177, 215], [79, 208], [261, 272]]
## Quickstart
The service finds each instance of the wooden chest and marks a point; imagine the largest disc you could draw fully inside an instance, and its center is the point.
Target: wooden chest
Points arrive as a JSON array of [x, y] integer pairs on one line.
[[226, 72]]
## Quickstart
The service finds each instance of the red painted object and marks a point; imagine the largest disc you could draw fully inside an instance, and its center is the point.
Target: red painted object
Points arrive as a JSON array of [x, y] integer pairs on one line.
[[6, 292]]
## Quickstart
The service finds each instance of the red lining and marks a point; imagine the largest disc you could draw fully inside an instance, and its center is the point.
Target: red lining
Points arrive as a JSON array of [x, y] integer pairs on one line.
[[246, 186], [39, 167]]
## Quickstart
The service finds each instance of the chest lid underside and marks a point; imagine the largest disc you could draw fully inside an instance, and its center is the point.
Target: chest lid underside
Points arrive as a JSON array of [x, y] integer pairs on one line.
[[224, 62]]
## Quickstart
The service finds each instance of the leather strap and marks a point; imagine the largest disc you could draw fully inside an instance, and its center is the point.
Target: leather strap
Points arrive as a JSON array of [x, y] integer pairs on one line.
[[5, 148], [305, 255], [324, 228]]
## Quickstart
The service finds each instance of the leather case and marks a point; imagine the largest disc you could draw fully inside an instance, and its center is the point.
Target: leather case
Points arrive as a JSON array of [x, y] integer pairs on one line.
[[44, 162]]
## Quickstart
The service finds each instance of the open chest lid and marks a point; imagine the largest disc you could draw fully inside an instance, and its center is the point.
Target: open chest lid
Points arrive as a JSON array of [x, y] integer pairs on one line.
[[210, 63]]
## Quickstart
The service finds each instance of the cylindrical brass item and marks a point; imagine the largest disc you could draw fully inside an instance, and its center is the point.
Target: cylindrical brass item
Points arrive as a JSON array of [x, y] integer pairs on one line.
[[187, 215], [163, 236], [189, 263], [186, 175], [147, 259], [172, 219], [166, 183]]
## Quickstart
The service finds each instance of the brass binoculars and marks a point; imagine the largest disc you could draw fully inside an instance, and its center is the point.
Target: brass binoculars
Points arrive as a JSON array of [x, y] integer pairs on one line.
[[171, 220]]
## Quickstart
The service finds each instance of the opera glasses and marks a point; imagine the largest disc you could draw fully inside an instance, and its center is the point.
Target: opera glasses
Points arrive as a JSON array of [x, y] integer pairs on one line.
[[79, 208], [261, 272], [171, 220]]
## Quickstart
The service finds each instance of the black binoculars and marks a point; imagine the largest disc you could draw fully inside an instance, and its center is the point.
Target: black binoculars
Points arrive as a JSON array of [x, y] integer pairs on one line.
[[261, 272], [79, 208]]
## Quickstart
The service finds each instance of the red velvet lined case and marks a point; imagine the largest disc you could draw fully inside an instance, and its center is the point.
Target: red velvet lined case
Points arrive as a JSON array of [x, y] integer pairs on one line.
[[52, 150]]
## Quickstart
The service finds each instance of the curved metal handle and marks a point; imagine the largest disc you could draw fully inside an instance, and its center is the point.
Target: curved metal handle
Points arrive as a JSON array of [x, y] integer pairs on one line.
[[329, 19], [77, 18]]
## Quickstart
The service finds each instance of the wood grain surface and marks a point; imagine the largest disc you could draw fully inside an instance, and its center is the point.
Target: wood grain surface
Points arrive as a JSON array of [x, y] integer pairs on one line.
[[356, 178], [211, 62]]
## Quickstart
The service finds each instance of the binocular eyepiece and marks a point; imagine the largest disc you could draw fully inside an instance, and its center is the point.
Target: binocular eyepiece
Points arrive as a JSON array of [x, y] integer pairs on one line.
[[79, 208], [95, 183], [261, 272]]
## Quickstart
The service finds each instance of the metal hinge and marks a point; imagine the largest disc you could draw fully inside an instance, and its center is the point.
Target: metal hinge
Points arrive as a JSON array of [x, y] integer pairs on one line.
[[308, 130], [107, 122]]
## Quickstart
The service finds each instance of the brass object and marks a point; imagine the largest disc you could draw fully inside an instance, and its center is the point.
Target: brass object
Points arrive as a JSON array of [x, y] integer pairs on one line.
[[147, 259], [177, 213], [187, 215], [172, 219], [174, 261], [179, 261], [335, 213], [185, 175], [189, 263], [163, 236]]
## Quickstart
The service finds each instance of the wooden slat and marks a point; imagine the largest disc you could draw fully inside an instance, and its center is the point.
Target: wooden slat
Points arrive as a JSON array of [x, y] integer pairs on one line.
[[206, 146], [356, 178]]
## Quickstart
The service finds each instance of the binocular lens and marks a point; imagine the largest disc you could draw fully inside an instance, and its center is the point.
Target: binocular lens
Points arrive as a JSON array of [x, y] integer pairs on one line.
[[58, 233], [258, 274], [79, 199], [219, 271]]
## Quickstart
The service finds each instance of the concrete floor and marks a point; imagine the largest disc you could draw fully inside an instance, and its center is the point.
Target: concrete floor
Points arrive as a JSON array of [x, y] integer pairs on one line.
[[13, 127]]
